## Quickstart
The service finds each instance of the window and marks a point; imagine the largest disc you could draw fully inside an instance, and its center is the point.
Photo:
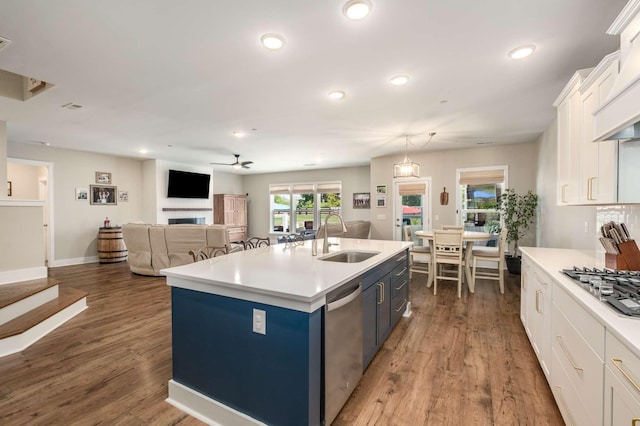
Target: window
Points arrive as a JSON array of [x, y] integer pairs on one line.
[[299, 207], [479, 194]]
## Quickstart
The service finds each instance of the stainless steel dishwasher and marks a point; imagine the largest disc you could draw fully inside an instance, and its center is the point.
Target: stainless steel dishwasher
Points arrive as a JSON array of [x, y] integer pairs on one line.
[[342, 346]]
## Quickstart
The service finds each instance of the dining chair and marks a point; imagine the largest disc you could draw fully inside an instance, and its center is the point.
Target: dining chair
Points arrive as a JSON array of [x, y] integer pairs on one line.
[[255, 242], [419, 256], [447, 250], [492, 254], [453, 228], [208, 252]]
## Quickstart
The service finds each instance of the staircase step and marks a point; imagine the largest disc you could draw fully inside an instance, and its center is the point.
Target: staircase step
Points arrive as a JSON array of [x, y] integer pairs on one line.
[[12, 293], [67, 297]]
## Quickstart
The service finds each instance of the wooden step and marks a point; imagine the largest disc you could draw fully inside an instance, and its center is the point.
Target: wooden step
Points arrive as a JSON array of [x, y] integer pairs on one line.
[[67, 297], [12, 293]]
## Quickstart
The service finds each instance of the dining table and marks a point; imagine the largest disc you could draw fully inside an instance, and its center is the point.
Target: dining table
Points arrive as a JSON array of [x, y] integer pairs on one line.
[[468, 238]]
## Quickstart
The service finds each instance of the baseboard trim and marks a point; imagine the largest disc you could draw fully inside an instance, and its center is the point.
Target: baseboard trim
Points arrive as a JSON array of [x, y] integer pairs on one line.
[[206, 409], [73, 261], [17, 275]]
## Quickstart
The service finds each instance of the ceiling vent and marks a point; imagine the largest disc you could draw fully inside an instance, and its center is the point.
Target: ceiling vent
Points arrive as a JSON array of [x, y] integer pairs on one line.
[[71, 105], [4, 43]]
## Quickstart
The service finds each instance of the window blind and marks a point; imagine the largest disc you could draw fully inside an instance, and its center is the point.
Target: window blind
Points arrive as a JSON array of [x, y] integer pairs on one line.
[[480, 177], [303, 189], [412, 188], [334, 187], [278, 189]]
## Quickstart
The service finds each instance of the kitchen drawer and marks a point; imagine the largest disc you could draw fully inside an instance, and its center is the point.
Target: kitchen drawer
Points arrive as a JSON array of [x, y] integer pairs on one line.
[[395, 264], [398, 306], [622, 406], [566, 396], [589, 328], [399, 281], [579, 362], [626, 363]]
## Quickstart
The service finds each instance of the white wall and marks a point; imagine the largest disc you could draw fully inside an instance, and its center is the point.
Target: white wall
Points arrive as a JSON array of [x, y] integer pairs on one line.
[[354, 179], [441, 167], [560, 226], [76, 223], [24, 180]]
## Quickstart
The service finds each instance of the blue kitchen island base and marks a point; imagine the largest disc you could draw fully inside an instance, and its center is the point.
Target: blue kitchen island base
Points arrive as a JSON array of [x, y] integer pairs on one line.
[[274, 378]]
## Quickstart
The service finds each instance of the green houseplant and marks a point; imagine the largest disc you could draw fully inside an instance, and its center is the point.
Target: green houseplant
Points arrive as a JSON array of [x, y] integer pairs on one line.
[[518, 212]]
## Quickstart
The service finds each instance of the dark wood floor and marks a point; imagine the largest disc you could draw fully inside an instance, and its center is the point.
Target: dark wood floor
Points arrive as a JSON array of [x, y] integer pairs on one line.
[[453, 362]]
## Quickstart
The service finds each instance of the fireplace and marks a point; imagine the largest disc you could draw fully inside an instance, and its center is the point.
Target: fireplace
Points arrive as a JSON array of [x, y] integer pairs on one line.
[[189, 220]]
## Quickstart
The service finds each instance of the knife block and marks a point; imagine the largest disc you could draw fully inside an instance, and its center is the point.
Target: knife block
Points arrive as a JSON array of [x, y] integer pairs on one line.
[[628, 259]]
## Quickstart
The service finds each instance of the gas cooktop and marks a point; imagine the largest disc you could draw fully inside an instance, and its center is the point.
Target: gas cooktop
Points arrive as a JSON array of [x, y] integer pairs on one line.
[[618, 289]]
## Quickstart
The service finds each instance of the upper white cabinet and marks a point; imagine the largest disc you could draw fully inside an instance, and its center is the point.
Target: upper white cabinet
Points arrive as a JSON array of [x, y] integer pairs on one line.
[[599, 160], [587, 170], [568, 106]]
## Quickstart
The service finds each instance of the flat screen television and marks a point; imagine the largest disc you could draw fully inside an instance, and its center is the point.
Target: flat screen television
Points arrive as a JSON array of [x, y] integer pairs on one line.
[[188, 185]]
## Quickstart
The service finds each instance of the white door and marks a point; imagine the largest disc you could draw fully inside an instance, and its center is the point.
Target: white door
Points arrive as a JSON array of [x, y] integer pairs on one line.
[[43, 195], [412, 206]]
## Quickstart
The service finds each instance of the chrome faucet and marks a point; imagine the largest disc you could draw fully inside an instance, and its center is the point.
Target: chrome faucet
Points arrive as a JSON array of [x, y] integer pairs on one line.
[[325, 244]]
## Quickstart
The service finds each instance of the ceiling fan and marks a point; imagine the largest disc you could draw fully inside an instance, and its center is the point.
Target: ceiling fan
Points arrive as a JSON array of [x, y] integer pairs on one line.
[[237, 164]]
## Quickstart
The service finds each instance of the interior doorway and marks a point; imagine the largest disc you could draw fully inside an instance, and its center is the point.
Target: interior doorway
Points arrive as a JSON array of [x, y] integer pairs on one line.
[[412, 206], [39, 176]]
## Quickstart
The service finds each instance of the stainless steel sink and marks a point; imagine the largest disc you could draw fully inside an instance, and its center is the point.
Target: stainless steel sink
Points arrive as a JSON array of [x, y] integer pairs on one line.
[[349, 256]]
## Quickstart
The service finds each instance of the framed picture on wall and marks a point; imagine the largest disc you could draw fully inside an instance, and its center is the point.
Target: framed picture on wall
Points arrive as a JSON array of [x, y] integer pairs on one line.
[[103, 178], [381, 189], [361, 200], [382, 201], [9, 188], [123, 196], [103, 195], [82, 194]]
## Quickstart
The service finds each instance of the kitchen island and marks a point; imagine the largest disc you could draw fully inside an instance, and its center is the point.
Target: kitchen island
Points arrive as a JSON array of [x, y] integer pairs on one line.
[[224, 372]]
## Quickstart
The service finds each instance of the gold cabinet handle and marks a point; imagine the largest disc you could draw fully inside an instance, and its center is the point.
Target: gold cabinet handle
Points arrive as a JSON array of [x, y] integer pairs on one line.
[[404, 303], [618, 363], [401, 272], [566, 354], [590, 188], [401, 285], [538, 293], [563, 197], [381, 298]]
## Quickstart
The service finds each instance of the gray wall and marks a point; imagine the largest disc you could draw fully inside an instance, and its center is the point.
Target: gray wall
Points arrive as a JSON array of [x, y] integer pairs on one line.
[[441, 167], [354, 179]]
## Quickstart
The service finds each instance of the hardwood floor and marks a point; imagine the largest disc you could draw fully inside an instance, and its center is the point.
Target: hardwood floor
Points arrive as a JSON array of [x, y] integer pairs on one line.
[[454, 361]]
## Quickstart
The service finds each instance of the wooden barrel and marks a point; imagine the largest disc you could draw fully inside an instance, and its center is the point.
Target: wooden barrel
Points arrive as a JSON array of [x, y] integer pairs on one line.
[[111, 247]]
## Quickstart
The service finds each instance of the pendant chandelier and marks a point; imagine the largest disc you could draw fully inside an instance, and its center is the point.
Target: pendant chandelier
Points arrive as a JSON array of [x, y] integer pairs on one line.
[[406, 169]]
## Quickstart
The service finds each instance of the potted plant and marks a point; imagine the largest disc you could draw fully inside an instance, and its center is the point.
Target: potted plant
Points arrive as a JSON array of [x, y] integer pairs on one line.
[[518, 213]]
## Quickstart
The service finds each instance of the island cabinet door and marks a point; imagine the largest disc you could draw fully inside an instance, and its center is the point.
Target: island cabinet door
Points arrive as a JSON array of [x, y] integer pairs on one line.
[[376, 316]]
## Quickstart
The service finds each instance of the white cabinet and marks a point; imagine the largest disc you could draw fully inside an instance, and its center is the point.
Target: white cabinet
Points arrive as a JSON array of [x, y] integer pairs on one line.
[[578, 345], [538, 312], [568, 107], [587, 170], [621, 384], [598, 175]]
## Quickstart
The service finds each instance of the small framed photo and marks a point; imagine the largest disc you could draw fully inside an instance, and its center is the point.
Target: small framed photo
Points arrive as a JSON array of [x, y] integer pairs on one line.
[[382, 201], [361, 200], [9, 188], [381, 189], [82, 194], [123, 196], [103, 178], [103, 195]]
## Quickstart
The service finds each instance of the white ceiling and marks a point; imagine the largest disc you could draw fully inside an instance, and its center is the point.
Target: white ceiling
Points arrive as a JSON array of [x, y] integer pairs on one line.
[[154, 73]]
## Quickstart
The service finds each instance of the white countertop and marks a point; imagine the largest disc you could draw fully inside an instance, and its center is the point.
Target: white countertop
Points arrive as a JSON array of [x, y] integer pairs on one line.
[[281, 275], [627, 329]]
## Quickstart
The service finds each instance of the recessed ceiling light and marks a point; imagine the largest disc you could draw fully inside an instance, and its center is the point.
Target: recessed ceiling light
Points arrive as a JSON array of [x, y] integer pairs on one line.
[[272, 41], [238, 134], [399, 80], [357, 9], [143, 151], [337, 94], [522, 51]]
